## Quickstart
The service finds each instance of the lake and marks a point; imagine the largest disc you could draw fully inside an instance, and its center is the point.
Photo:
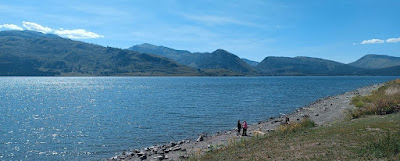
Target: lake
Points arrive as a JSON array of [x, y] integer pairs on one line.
[[90, 118]]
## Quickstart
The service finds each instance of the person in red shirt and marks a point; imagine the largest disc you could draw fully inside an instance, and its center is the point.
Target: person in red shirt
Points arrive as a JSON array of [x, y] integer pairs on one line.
[[244, 128]]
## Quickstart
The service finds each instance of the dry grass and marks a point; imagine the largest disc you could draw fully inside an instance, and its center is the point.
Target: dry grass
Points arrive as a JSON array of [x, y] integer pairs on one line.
[[372, 137], [385, 100]]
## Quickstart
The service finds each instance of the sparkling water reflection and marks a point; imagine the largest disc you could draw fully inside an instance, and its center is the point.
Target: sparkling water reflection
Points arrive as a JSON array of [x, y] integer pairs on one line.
[[88, 118]]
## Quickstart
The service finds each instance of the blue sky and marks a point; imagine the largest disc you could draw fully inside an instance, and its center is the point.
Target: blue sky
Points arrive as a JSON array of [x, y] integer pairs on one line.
[[340, 30]]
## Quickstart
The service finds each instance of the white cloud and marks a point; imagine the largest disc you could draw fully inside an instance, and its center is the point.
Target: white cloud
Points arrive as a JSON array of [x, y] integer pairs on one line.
[[373, 41], [77, 34], [72, 34], [393, 40], [36, 27], [11, 26]]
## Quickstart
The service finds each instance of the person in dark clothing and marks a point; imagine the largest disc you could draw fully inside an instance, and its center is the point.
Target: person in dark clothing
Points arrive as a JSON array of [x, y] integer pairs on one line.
[[239, 127], [244, 128]]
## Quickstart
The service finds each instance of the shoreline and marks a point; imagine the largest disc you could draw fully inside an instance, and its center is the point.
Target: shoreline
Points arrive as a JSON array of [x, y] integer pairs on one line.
[[323, 112]]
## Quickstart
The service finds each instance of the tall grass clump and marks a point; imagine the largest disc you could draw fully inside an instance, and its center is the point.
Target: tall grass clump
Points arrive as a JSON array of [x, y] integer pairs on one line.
[[383, 101], [304, 124]]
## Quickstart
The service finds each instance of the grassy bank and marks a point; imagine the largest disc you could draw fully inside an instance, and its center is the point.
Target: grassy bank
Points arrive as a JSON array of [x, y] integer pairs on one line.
[[372, 137], [385, 100], [375, 134]]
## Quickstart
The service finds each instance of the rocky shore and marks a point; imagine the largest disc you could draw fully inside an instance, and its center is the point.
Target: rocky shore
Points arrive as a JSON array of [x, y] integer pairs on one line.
[[323, 112]]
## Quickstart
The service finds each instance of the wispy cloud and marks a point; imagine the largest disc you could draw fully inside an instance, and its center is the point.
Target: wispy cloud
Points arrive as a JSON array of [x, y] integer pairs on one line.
[[36, 27], [11, 27], [373, 41], [217, 20], [77, 34], [208, 19], [393, 40]]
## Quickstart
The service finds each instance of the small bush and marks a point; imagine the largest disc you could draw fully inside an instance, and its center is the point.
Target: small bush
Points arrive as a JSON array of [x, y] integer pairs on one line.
[[383, 101], [304, 124]]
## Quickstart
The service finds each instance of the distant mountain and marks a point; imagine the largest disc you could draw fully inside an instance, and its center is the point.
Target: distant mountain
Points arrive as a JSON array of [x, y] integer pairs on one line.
[[159, 50], [33, 53], [250, 62], [372, 61], [389, 71], [217, 61], [28, 53], [304, 66]]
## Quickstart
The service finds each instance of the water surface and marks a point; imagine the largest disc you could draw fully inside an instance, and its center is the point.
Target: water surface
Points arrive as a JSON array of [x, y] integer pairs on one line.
[[89, 118]]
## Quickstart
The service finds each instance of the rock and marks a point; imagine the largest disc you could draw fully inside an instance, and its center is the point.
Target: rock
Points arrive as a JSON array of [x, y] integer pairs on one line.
[[141, 153], [316, 114], [144, 157], [160, 157], [305, 115], [200, 138], [129, 154], [172, 144], [183, 156], [176, 148]]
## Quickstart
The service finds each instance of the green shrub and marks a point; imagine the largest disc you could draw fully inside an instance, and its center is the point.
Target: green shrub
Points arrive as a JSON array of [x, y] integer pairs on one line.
[[388, 146]]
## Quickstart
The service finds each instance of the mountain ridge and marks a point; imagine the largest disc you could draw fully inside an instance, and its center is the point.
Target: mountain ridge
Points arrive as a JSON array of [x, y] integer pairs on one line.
[[218, 60], [374, 61], [29, 53], [34, 53]]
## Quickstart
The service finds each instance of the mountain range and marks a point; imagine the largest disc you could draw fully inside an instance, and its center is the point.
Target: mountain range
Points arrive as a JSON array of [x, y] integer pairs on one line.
[[29, 53], [282, 66], [221, 60]]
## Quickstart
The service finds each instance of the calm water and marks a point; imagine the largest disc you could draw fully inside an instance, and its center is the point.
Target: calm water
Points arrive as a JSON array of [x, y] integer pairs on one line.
[[89, 118]]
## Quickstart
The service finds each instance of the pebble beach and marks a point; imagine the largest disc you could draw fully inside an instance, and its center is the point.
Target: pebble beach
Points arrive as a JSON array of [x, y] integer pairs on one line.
[[323, 112]]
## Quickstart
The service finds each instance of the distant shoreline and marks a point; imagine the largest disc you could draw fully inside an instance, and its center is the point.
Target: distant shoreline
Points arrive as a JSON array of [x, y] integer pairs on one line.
[[85, 76], [323, 111]]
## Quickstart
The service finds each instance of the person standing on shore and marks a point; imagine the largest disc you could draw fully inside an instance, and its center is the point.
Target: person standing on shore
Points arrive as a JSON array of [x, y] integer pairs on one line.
[[239, 127], [244, 128]]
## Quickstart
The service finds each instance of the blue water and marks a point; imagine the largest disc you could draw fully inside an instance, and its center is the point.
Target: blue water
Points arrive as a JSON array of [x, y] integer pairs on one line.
[[89, 118]]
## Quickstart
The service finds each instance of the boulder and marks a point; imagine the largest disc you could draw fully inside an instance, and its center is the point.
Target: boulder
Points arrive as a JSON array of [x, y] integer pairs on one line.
[[200, 138], [144, 157]]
